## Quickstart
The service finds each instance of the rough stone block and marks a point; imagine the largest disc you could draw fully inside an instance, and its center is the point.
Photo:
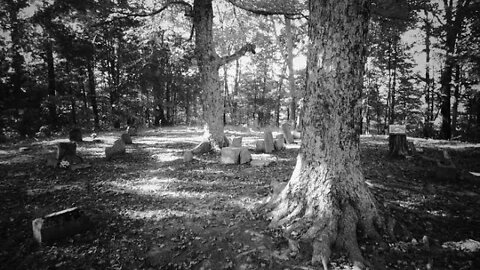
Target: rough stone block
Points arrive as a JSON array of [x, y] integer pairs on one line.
[[287, 132], [60, 225], [187, 156], [268, 139], [279, 143], [75, 135], [259, 146], [126, 138], [118, 148], [245, 156], [230, 155], [236, 142]]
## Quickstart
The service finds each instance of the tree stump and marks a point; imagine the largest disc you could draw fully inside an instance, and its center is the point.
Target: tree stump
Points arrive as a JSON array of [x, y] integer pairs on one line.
[[397, 141]]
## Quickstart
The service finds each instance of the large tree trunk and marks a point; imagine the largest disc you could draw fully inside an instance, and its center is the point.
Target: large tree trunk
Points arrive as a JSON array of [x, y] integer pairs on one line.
[[453, 26], [208, 66], [326, 199]]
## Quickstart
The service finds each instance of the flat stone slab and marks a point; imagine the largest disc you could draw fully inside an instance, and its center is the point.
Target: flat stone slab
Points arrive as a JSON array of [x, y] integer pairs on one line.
[[262, 160], [59, 225]]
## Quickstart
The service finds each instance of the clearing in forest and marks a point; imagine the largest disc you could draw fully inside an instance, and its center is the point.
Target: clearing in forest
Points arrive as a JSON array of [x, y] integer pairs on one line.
[[151, 210]]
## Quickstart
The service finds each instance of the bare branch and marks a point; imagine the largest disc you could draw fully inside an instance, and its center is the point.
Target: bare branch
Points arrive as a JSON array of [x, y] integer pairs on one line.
[[229, 58]]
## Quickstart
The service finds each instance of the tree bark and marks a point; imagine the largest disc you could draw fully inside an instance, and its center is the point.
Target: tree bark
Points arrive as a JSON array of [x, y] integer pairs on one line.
[[456, 100], [92, 94], [52, 108], [326, 199], [291, 72]]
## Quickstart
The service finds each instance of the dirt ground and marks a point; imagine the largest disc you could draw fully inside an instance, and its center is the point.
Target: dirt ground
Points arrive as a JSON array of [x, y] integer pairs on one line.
[[150, 210]]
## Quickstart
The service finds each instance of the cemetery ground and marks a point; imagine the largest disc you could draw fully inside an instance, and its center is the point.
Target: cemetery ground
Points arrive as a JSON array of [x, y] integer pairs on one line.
[[151, 210]]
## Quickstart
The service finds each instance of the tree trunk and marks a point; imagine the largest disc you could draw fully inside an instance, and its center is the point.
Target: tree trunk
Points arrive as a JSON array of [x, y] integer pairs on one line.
[[427, 130], [291, 72], [208, 67], [456, 99], [52, 108], [92, 94], [326, 199], [453, 26]]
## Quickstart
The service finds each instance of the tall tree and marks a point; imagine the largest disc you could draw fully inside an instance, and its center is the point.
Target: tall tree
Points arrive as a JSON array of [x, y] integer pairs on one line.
[[326, 199], [454, 19]]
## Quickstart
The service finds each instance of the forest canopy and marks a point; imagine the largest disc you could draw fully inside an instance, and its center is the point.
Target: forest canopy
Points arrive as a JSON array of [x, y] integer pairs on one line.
[[108, 64]]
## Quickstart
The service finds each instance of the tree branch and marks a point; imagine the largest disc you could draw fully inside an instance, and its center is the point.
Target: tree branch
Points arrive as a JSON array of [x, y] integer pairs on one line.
[[290, 8], [155, 12], [229, 58]]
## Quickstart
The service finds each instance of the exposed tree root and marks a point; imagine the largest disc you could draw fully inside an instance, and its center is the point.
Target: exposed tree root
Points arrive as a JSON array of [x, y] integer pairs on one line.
[[329, 216]]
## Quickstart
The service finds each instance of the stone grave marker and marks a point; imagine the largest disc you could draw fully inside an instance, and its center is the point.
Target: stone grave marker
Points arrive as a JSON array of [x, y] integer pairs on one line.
[[260, 146], [131, 130], [187, 156], [117, 149], [236, 142], [245, 155], [279, 143], [60, 225], [287, 132], [268, 139], [230, 155]]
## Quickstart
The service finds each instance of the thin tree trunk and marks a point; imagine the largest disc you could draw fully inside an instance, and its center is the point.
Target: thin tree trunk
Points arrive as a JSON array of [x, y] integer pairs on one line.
[[92, 93], [394, 84], [326, 199], [456, 97], [52, 108], [291, 72]]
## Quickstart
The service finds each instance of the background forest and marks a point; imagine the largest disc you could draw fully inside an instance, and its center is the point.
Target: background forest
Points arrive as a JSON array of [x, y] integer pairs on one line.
[[105, 64]]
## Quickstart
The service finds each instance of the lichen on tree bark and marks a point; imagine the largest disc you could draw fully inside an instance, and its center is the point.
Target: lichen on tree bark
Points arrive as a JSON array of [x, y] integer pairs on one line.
[[326, 199]]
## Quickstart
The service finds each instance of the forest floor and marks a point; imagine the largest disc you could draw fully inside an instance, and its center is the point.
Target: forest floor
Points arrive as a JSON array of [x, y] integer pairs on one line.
[[151, 210]]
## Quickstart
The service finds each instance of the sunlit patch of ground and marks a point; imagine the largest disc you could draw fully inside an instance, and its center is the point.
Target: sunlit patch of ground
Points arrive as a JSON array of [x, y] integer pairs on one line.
[[202, 214]]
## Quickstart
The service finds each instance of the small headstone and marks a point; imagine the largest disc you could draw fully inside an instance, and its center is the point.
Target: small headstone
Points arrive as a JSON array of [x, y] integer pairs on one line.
[[260, 162], [230, 155], [268, 139], [75, 135], [118, 148], [203, 147], [279, 143], [187, 156], [259, 146], [245, 155], [132, 131], [126, 138], [60, 225], [66, 149], [236, 142], [287, 132]]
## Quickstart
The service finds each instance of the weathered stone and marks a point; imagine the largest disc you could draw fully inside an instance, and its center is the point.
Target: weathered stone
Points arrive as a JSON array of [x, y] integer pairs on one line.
[[126, 138], [260, 146], [268, 139], [287, 132], [117, 149], [262, 160], [75, 135], [187, 156], [279, 144], [60, 225], [245, 155], [230, 155], [132, 131], [236, 142]]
